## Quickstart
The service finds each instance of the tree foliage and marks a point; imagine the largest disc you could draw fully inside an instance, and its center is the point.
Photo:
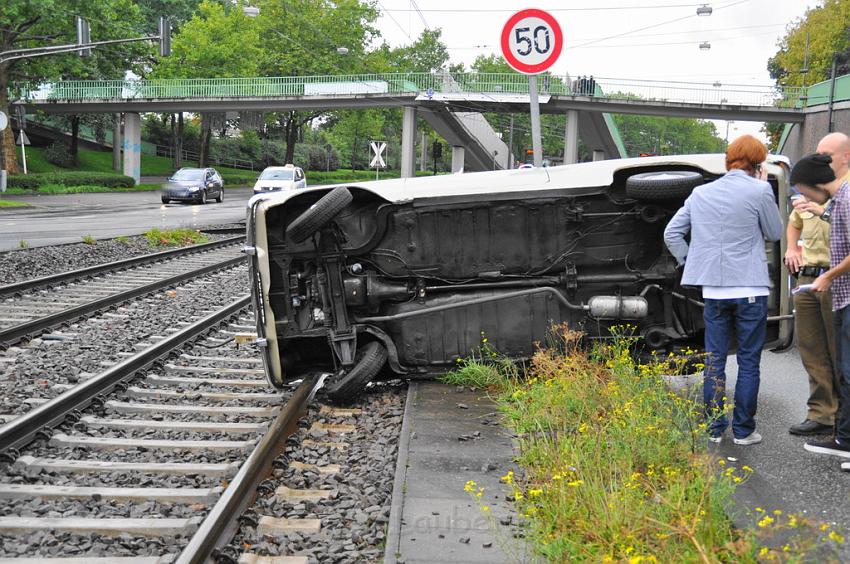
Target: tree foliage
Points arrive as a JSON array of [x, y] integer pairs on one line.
[[667, 136], [826, 29]]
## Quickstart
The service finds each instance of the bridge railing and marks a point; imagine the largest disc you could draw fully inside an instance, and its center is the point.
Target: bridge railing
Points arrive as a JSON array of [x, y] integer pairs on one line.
[[409, 83]]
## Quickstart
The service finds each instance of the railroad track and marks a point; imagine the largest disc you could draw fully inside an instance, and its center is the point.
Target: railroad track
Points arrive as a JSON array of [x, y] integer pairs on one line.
[[29, 308], [153, 459]]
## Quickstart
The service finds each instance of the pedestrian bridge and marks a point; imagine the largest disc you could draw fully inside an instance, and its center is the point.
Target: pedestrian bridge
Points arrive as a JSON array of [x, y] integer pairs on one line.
[[452, 103]]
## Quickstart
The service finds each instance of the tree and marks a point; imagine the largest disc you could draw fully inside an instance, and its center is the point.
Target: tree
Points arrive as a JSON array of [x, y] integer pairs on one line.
[[219, 41], [821, 34], [666, 136], [25, 24], [352, 131], [826, 28], [303, 38]]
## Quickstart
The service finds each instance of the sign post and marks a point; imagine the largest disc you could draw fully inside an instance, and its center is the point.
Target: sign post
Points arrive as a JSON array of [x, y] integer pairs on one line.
[[531, 43], [4, 122], [378, 160]]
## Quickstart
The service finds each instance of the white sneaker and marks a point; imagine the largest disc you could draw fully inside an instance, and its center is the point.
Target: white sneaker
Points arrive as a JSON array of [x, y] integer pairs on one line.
[[718, 439], [751, 439]]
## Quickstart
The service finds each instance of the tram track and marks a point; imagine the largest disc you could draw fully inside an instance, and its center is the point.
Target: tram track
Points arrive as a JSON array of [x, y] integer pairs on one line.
[[224, 429], [31, 307]]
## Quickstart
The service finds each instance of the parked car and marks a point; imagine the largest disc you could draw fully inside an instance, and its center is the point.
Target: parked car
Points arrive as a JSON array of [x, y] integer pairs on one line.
[[276, 178], [193, 185], [412, 272]]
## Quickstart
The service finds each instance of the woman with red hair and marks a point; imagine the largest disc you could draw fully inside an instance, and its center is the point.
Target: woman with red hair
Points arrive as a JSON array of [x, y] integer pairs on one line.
[[728, 221]]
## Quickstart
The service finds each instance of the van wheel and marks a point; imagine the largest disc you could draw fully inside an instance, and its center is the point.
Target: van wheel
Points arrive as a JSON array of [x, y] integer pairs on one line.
[[319, 214], [663, 185], [345, 386], [165, 200]]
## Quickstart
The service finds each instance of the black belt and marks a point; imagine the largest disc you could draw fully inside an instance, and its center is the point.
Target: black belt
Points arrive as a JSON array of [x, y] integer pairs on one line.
[[813, 271]]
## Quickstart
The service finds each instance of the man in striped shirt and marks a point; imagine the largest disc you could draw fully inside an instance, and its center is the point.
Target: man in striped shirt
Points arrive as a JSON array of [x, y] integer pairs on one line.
[[814, 177]]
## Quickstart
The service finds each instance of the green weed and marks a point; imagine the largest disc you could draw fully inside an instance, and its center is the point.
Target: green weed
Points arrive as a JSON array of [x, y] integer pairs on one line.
[[89, 240], [174, 237]]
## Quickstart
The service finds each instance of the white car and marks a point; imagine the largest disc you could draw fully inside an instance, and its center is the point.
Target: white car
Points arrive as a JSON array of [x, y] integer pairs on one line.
[[412, 272], [276, 178]]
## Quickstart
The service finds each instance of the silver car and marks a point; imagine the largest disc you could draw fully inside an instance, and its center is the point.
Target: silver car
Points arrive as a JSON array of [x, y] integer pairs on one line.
[[276, 178]]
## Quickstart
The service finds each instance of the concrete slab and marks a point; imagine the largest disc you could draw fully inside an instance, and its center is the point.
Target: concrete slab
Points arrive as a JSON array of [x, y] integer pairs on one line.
[[433, 519]]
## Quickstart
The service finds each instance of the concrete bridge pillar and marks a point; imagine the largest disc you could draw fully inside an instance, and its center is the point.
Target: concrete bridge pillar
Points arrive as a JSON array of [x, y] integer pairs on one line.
[[132, 146], [458, 155], [116, 142], [408, 142], [571, 138]]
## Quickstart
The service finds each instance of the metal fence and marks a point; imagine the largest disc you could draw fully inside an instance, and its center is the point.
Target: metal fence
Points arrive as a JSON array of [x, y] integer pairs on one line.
[[406, 83]]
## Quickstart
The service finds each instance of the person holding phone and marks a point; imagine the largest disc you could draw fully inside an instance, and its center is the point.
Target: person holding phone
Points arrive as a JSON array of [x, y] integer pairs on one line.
[[813, 318], [728, 220]]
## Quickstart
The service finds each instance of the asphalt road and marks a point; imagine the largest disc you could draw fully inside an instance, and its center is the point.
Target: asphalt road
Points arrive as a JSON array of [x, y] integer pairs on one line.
[[66, 218], [785, 476]]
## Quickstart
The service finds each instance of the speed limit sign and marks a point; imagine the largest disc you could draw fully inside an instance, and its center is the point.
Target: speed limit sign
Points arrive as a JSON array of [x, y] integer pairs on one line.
[[532, 41]]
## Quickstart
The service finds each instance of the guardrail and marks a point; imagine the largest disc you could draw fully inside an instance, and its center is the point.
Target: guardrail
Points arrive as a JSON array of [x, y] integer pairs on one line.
[[408, 83], [165, 151]]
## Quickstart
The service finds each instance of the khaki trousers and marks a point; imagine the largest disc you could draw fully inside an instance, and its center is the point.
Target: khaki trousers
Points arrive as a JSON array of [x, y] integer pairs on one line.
[[816, 342]]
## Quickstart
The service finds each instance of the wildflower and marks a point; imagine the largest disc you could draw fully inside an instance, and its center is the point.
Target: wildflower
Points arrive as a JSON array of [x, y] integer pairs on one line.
[[766, 521], [759, 509], [835, 537], [777, 512], [723, 463], [575, 483], [582, 428], [746, 468], [764, 550], [469, 487], [534, 493], [824, 527], [485, 508]]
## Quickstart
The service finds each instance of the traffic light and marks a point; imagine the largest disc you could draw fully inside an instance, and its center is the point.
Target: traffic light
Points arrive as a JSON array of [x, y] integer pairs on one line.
[[437, 150], [83, 36], [164, 37]]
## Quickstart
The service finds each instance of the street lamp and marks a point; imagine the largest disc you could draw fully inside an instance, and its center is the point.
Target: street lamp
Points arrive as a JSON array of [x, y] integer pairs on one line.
[[704, 10], [704, 46], [728, 123]]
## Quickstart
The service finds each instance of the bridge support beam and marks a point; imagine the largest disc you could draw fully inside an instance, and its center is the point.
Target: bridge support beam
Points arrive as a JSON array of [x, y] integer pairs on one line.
[[458, 155], [408, 142], [132, 145], [571, 138], [116, 142]]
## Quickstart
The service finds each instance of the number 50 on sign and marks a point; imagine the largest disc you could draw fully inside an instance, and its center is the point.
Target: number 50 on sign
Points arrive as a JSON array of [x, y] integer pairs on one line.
[[532, 41]]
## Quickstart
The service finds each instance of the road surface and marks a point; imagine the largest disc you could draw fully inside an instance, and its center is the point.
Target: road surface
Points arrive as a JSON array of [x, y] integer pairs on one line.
[[66, 218]]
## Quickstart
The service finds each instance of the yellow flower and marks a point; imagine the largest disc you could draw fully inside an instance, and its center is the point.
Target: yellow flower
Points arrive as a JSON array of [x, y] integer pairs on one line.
[[835, 537], [766, 521], [746, 468], [582, 428], [508, 478], [764, 550], [575, 483], [485, 508], [470, 485], [824, 527], [534, 493], [759, 509]]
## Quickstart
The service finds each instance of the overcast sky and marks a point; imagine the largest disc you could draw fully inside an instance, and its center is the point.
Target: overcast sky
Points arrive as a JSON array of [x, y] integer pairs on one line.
[[625, 39]]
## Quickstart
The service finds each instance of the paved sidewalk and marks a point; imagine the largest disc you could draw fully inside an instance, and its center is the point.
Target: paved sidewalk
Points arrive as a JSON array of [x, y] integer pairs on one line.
[[451, 437]]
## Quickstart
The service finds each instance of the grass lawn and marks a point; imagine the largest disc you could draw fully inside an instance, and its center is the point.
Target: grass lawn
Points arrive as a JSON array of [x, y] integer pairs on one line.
[[10, 204], [101, 161], [62, 189]]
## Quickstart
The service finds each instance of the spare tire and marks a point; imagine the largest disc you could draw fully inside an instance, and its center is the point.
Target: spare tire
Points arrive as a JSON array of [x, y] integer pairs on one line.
[[346, 385], [663, 185], [319, 214]]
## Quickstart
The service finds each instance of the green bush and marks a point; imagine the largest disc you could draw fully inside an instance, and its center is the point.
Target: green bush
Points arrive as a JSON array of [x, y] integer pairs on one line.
[[59, 153], [71, 178]]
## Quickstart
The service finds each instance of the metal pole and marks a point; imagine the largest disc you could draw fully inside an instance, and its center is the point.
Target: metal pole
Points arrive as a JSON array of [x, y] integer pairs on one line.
[[23, 152], [536, 141], [832, 93], [511, 142]]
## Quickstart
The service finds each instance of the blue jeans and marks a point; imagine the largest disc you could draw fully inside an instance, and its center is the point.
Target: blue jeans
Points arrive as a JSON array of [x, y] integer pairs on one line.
[[746, 318], [841, 319]]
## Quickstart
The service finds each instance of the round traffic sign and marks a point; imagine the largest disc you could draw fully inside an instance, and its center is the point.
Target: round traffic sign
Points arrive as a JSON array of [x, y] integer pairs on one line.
[[4, 121], [532, 41]]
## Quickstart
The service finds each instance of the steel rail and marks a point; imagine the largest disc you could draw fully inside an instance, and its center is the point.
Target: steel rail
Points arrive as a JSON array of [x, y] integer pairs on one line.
[[15, 333], [110, 266], [222, 522], [23, 429]]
